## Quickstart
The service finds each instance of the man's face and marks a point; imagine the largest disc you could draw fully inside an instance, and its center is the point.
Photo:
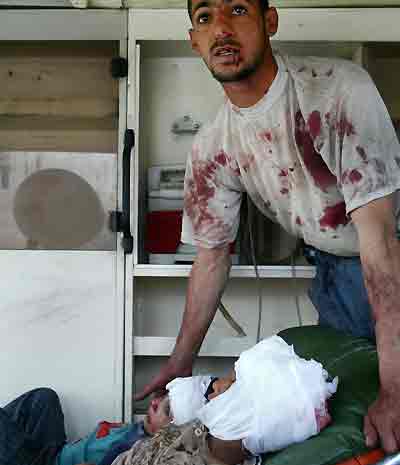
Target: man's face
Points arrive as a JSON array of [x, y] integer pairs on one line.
[[230, 36], [158, 414]]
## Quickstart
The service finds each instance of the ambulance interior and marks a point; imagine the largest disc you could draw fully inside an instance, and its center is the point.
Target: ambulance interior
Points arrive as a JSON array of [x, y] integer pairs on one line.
[[79, 313]]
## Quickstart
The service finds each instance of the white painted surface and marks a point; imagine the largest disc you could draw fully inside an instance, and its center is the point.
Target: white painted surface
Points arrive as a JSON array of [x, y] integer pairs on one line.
[[98, 171], [170, 89], [243, 271], [59, 327], [296, 24], [63, 25], [159, 305]]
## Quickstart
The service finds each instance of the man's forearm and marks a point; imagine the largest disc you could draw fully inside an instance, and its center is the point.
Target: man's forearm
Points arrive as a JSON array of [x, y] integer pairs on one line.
[[380, 257], [207, 282], [381, 267]]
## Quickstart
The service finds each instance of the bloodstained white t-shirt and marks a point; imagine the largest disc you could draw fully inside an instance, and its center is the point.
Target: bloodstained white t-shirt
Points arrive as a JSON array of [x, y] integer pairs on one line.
[[318, 145]]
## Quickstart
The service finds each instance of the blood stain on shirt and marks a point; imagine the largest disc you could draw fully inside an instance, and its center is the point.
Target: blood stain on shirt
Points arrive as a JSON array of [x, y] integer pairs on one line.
[[221, 158], [314, 124], [313, 161], [283, 173], [284, 191], [299, 222], [246, 160], [361, 152], [344, 127], [352, 176], [334, 216], [327, 118], [266, 136], [199, 192]]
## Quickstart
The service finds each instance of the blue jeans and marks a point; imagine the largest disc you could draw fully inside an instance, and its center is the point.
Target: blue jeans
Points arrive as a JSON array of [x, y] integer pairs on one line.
[[338, 292], [31, 429]]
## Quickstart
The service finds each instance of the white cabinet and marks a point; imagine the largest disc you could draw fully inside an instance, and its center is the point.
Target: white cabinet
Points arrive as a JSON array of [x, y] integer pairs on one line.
[[62, 119], [168, 82]]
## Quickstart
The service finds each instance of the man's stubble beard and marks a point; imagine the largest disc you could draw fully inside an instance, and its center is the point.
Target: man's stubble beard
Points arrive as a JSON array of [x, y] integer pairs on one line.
[[242, 74]]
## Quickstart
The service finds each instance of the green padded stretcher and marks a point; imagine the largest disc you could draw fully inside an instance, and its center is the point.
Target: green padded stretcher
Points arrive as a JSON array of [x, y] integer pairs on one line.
[[355, 362]]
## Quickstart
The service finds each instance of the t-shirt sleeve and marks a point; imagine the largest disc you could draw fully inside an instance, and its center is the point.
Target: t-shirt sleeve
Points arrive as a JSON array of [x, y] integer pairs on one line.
[[367, 148], [212, 197]]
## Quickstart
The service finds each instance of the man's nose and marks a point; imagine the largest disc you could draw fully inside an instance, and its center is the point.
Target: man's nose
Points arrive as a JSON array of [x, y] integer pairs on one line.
[[222, 23]]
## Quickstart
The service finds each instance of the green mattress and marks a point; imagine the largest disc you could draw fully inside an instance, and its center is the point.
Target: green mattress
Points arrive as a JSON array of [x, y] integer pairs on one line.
[[354, 361]]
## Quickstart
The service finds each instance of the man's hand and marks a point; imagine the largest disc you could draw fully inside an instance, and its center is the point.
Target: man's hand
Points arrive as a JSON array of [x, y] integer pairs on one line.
[[167, 373], [207, 281], [380, 258], [383, 421]]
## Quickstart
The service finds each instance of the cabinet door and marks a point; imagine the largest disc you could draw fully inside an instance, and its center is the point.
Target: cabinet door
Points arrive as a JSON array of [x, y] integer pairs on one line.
[[62, 267]]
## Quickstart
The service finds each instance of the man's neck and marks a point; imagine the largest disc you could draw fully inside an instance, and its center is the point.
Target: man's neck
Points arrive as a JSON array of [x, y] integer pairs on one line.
[[249, 91]]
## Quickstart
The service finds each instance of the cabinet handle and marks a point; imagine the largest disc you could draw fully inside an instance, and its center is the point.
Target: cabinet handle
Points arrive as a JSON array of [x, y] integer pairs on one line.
[[121, 221], [129, 144]]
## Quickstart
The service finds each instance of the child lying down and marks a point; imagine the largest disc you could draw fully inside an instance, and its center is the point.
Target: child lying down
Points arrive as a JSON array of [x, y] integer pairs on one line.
[[272, 398]]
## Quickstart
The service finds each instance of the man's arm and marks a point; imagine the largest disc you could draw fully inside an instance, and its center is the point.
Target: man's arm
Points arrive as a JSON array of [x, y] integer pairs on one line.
[[207, 282], [380, 258]]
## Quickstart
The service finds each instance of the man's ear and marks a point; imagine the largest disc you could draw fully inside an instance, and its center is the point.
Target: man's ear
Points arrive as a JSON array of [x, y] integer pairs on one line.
[[193, 41], [271, 21]]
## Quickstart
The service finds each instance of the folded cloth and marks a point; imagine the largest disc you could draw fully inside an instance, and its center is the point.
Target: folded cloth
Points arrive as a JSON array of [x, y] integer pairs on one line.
[[274, 400], [172, 445], [186, 397]]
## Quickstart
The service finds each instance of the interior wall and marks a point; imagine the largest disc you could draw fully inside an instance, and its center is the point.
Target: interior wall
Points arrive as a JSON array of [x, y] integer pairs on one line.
[[384, 67]]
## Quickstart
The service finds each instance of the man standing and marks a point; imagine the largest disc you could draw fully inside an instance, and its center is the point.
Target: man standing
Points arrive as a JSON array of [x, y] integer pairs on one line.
[[312, 144]]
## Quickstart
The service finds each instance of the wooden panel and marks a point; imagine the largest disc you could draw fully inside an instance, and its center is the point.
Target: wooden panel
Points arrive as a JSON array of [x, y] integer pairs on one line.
[[73, 107], [60, 140], [53, 77], [58, 96], [58, 134]]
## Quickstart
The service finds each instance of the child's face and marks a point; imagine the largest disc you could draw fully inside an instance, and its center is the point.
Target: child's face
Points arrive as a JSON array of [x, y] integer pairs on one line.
[[220, 385], [158, 414]]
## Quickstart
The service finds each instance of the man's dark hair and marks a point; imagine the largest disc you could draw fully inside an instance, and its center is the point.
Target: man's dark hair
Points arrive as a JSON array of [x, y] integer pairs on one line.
[[263, 3]]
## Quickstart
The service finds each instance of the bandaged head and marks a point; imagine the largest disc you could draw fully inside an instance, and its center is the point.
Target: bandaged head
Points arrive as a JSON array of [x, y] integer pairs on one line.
[[273, 401], [186, 397]]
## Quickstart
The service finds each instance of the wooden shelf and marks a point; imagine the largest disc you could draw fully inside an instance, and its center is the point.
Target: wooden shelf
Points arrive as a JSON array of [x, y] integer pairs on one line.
[[239, 271], [163, 346]]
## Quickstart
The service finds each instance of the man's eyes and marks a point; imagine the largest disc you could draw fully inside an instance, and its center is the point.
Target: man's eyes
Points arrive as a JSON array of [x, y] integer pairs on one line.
[[203, 18], [238, 10]]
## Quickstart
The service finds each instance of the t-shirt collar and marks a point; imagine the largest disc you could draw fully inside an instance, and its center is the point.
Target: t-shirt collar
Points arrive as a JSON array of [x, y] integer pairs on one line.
[[273, 93]]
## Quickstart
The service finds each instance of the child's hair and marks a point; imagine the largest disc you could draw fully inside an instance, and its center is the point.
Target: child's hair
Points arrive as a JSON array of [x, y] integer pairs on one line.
[[210, 388], [263, 3]]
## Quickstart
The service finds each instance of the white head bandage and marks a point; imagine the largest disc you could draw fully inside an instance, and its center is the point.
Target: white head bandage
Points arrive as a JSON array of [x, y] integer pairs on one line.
[[273, 401], [186, 397]]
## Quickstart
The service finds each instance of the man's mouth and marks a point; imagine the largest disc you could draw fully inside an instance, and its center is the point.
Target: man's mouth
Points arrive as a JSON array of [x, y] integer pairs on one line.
[[225, 55], [225, 51]]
